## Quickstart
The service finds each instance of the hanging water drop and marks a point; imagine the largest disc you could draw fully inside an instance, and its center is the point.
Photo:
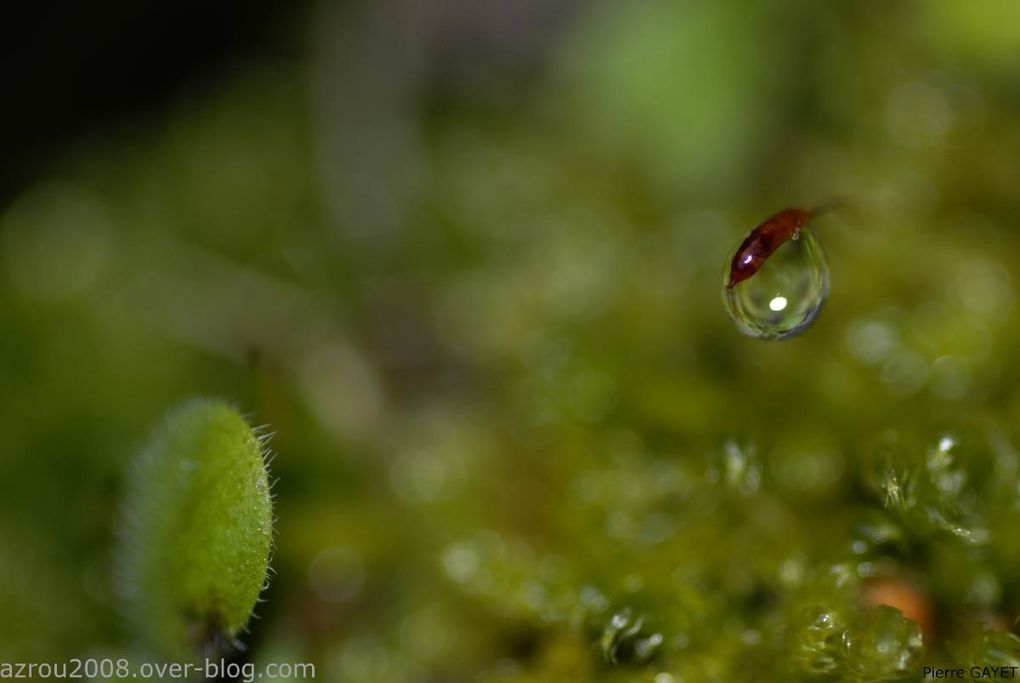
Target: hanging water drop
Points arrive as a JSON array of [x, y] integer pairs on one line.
[[777, 279]]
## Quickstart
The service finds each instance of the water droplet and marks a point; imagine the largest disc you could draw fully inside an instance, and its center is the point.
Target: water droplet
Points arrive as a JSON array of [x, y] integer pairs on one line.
[[622, 639], [785, 295], [818, 641], [887, 648]]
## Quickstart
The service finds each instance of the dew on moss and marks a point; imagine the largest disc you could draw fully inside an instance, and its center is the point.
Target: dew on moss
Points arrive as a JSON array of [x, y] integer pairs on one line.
[[889, 646], [996, 649], [818, 643], [623, 639]]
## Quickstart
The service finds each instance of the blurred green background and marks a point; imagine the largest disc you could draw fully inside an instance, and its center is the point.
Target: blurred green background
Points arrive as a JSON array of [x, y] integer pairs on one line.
[[465, 258]]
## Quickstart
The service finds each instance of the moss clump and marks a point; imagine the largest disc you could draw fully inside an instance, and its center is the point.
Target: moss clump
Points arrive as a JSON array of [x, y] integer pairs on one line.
[[704, 567], [197, 530]]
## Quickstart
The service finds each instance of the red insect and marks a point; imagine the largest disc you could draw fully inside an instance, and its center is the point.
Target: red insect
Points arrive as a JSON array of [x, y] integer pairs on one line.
[[764, 240]]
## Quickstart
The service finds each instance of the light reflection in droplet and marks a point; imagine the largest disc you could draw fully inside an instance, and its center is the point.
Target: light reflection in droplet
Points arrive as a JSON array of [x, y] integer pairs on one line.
[[785, 295]]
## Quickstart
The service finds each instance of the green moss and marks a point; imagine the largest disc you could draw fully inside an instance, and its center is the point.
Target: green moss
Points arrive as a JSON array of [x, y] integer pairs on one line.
[[197, 531]]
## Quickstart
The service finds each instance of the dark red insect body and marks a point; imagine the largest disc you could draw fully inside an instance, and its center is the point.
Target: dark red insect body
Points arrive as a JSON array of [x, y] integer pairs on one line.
[[763, 241]]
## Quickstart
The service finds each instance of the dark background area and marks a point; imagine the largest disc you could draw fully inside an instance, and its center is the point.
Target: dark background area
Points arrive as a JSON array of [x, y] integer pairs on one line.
[[70, 69]]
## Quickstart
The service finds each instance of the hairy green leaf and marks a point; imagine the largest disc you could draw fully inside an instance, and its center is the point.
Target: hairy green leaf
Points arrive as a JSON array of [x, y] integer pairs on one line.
[[197, 531]]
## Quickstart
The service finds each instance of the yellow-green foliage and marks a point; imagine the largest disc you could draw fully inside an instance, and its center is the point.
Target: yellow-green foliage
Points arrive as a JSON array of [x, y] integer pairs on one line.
[[197, 530]]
